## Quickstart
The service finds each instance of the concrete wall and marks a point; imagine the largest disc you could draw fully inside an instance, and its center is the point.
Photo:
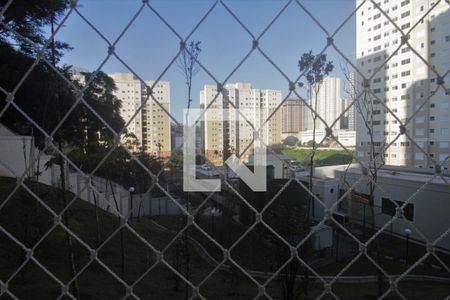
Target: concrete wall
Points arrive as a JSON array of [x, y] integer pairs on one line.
[[431, 204], [17, 153], [327, 190], [115, 199]]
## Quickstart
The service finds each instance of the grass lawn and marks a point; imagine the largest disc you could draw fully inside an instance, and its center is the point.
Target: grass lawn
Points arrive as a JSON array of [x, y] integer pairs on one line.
[[249, 252], [323, 157]]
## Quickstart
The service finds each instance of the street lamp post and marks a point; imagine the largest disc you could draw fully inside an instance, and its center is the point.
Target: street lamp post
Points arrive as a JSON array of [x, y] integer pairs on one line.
[[131, 190], [408, 234]]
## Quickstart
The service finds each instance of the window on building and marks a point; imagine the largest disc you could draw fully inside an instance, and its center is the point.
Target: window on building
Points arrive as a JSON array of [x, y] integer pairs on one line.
[[389, 208], [418, 156], [406, 73], [406, 61], [407, 49], [403, 3], [420, 131], [405, 26]]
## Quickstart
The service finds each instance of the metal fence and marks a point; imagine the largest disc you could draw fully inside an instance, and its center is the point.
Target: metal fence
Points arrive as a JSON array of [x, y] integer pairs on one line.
[[261, 285]]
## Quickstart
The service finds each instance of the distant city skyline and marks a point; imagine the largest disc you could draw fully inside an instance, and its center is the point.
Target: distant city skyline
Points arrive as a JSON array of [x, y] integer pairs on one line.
[[222, 50]]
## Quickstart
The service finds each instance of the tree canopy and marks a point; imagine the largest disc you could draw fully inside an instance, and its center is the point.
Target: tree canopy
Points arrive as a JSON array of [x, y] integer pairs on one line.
[[51, 101], [30, 19], [315, 67]]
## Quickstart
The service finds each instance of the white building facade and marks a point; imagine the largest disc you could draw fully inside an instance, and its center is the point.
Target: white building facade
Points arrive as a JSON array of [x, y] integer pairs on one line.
[[405, 84], [328, 105]]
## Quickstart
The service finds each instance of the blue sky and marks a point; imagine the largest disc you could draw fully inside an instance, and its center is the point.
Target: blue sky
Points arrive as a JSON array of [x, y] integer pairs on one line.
[[148, 46]]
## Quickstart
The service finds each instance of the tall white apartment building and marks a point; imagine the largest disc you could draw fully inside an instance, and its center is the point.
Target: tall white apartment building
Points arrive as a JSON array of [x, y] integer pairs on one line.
[[328, 105], [151, 125], [405, 83], [255, 104]]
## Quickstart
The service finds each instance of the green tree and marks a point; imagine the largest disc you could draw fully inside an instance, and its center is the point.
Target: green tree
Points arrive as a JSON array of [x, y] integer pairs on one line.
[[45, 96], [29, 18], [42, 85], [188, 65], [290, 141], [315, 68]]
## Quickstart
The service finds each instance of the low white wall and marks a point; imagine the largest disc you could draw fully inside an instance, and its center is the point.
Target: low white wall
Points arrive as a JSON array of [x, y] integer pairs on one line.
[[113, 198], [17, 154]]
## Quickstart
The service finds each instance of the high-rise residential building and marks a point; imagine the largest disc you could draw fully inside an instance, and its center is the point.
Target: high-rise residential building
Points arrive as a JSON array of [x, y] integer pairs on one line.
[[328, 105], [150, 125], [348, 119], [292, 117], [405, 83], [230, 127]]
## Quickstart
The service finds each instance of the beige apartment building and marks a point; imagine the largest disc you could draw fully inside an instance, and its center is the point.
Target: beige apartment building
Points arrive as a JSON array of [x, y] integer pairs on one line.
[[292, 117], [405, 84], [230, 127], [150, 125]]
